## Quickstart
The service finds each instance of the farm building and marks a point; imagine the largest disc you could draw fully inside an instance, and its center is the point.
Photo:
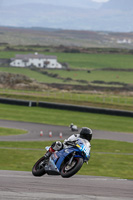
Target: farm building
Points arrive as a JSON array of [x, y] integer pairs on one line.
[[37, 60]]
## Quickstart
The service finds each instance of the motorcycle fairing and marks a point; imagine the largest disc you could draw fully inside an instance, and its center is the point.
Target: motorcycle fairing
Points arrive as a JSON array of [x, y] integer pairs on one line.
[[55, 161], [62, 155], [51, 168]]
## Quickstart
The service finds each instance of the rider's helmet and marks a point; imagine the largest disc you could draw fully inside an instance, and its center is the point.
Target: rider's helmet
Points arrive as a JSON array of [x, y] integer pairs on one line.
[[86, 133], [57, 146], [71, 124]]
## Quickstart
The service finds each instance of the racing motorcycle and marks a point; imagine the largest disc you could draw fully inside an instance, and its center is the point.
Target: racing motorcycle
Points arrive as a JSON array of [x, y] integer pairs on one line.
[[65, 162], [73, 127]]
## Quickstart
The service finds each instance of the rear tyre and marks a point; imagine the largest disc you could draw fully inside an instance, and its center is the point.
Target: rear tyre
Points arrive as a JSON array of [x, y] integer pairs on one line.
[[38, 168], [68, 171]]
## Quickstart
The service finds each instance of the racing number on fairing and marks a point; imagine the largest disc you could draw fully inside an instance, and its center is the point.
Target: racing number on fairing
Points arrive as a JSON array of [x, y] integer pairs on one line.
[[86, 150], [83, 148]]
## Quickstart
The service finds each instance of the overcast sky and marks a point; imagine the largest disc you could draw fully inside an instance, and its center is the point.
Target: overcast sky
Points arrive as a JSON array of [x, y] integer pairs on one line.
[[57, 2], [107, 15], [67, 3], [99, 1]]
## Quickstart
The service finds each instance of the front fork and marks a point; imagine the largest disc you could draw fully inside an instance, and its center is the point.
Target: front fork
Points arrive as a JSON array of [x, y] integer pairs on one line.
[[71, 159]]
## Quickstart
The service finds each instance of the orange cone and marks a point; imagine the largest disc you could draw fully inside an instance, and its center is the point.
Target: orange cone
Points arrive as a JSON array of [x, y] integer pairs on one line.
[[50, 134], [60, 135], [41, 133]]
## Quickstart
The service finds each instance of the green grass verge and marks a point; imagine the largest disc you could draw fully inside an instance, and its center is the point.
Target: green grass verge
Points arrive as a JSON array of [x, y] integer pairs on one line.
[[9, 131], [100, 164], [109, 165], [97, 145], [64, 117], [94, 100]]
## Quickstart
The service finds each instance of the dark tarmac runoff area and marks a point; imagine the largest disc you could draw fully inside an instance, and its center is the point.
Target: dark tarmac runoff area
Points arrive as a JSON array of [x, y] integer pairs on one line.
[[18, 185]]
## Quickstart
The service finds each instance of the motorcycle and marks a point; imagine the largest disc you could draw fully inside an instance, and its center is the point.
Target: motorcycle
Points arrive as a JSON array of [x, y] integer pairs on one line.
[[65, 162], [73, 127]]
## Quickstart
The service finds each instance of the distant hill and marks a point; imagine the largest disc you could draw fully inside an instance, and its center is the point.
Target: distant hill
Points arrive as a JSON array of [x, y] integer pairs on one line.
[[57, 37]]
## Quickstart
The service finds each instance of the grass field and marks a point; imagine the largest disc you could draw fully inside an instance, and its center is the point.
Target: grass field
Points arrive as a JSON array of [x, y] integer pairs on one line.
[[106, 76], [63, 117], [31, 74], [105, 100], [88, 61], [94, 61], [82, 60], [8, 131], [116, 162]]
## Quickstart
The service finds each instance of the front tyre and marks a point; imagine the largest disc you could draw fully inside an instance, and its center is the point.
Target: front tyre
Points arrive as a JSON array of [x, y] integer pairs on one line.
[[69, 170], [38, 168]]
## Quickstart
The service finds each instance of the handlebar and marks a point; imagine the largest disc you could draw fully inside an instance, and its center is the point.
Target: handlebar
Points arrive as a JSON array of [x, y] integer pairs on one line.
[[72, 143]]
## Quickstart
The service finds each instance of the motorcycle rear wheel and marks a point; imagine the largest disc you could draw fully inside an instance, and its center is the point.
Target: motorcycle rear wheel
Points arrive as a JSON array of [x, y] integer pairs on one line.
[[38, 168], [68, 171]]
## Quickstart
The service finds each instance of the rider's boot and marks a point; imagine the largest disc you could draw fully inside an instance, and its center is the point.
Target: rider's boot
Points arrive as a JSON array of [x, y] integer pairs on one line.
[[49, 153]]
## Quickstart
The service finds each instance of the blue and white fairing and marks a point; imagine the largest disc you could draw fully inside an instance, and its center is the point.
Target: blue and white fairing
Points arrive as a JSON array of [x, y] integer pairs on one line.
[[85, 148]]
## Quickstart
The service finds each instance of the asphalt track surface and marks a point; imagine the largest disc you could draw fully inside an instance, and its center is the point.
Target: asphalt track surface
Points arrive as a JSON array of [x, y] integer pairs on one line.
[[24, 186], [34, 129]]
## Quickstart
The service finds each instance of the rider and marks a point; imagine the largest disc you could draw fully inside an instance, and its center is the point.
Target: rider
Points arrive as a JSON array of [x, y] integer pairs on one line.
[[85, 133]]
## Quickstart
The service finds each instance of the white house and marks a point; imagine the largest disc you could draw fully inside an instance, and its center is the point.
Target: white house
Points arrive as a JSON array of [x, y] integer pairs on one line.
[[37, 60], [124, 41]]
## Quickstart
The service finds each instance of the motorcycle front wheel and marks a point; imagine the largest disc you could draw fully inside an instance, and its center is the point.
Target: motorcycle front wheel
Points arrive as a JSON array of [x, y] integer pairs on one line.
[[38, 168], [69, 170]]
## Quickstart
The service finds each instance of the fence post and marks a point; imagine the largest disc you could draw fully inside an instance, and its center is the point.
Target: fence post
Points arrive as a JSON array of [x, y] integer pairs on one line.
[[30, 103]]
